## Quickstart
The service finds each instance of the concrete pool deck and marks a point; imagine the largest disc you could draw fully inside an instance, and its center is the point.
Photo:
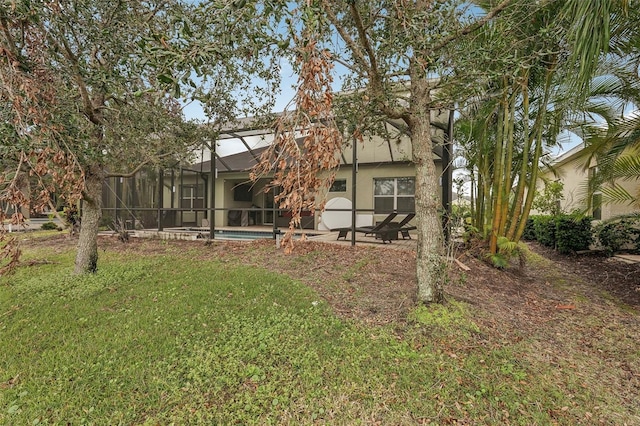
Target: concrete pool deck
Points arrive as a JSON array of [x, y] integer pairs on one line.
[[195, 233]]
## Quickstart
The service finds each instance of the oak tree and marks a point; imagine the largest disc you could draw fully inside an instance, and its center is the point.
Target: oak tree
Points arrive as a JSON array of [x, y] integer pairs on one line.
[[399, 64], [80, 100]]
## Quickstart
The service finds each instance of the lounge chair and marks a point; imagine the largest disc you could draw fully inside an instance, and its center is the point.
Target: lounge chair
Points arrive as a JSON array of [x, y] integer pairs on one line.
[[384, 230], [404, 230]]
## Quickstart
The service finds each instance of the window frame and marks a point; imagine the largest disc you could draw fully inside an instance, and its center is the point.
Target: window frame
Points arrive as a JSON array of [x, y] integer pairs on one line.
[[331, 188], [395, 196], [189, 192], [596, 210]]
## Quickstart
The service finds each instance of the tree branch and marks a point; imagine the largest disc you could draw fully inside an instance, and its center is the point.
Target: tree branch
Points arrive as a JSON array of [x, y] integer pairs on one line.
[[351, 43], [137, 168], [472, 27], [364, 40], [84, 92], [10, 45]]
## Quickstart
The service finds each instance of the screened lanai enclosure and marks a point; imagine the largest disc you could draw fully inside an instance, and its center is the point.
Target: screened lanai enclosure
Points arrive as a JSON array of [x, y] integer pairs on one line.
[[375, 178], [155, 199]]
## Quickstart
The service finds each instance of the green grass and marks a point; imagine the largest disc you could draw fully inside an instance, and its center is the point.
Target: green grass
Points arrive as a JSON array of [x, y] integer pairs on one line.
[[170, 339]]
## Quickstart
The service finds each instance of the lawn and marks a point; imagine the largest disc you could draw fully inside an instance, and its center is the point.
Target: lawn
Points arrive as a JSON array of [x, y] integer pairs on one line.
[[169, 333]]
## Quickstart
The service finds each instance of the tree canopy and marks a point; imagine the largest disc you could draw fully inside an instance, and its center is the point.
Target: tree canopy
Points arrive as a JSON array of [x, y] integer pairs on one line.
[[91, 89]]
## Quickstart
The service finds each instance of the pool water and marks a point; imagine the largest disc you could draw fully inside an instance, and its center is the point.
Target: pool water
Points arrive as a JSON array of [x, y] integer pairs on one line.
[[240, 235]]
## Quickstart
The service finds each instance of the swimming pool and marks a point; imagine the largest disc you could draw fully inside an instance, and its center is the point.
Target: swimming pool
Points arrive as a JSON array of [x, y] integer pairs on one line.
[[187, 233], [222, 234]]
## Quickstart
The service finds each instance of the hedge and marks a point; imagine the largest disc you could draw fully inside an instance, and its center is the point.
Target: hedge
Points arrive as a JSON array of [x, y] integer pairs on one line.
[[566, 233]]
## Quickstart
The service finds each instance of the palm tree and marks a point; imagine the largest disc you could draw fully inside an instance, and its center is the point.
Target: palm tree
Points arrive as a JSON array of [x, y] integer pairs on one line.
[[615, 147], [535, 93]]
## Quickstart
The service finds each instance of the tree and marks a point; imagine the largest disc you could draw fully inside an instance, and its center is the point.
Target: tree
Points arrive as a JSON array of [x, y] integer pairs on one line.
[[91, 88], [80, 97], [401, 65], [548, 201], [531, 97], [518, 116], [616, 145]]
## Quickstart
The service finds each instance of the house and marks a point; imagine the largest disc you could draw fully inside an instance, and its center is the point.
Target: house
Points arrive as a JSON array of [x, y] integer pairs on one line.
[[569, 168], [382, 181]]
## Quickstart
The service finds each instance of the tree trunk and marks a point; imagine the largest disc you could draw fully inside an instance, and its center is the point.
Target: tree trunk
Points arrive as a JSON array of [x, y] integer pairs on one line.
[[87, 256], [516, 211], [430, 264], [498, 175]]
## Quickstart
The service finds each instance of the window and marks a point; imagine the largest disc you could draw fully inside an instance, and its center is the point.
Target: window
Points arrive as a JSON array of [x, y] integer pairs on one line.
[[339, 185], [394, 194], [192, 197], [596, 206]]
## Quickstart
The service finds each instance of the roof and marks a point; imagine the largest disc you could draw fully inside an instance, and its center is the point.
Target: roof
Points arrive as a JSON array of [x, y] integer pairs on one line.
[[244, 161], [570, 155], [240, 162], [251, 136]]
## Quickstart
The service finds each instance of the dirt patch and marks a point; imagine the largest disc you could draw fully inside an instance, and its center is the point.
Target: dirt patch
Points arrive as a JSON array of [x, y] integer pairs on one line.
[[376, 284], [603, 274]]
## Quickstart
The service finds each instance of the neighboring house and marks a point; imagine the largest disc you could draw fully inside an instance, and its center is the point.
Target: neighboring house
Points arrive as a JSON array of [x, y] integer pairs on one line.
[[384, 182], [569, 168]]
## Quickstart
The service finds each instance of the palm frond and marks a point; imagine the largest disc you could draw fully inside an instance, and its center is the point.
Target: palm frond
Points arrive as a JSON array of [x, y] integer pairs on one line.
[[589, 34], [627, 167], [616, 194]]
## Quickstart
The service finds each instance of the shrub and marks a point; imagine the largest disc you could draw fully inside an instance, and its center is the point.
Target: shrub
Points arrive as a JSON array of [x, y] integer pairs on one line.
[[566, 233], [106, 222], [529, 233], [619, 232], [49, 226], [573, 233], [545, 230]]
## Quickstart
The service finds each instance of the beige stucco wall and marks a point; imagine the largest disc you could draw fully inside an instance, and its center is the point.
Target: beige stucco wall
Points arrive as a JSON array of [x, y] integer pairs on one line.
[[574, 177], [364, 182], [612, 210], [364, 187], [227, 181], [394, 147], [572, 173], [377, 156]]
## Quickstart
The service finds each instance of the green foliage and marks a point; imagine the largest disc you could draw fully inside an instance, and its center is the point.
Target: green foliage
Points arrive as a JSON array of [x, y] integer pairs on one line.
[[573, 233], [566, 233], [549, 200], [471, 233], [106, 221], [529, 233], [460, 213], [507, 250], [545, 230], [619, 232], [445, 318], [49, 226], [499, 260]]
